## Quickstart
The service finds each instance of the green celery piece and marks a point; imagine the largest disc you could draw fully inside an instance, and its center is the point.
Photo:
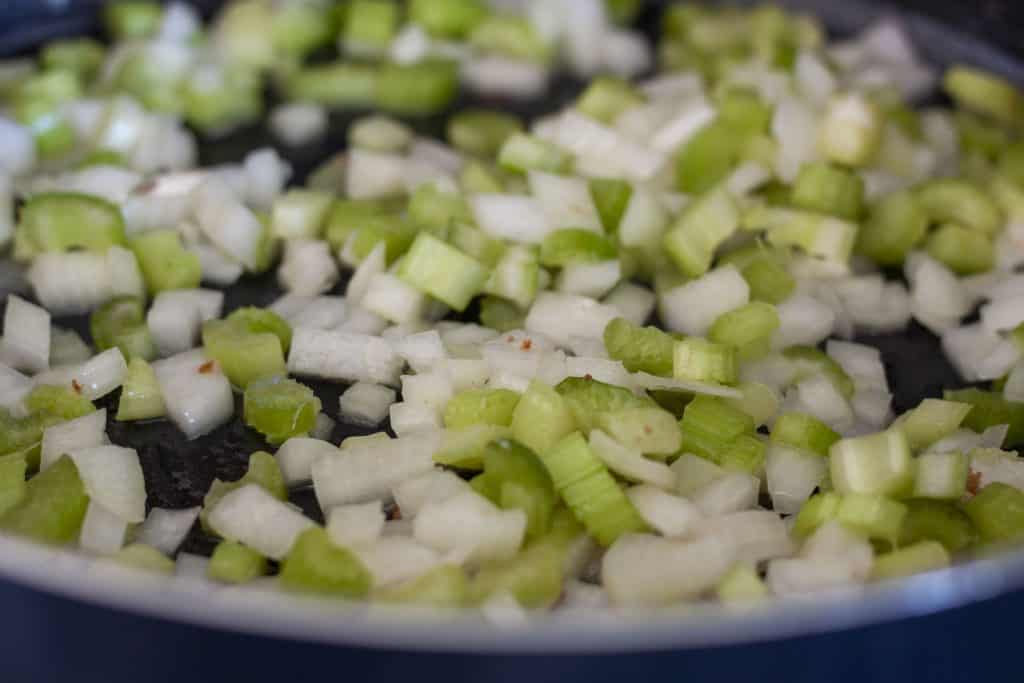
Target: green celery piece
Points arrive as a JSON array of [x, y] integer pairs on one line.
[[315, 565], [701, 228], [745, 453], [748, 329], [768, 279], [164, 262], [451, 19], [500, 314], [479, 178], [522, 482], [257, 320], [396, 234], [985, 93], [238, 100], [575, 245], [510, 35], [641, 349], [102, 157], [244, 356], [335, 84], [522, 152], [700, 360], [804, 432], [710, 424], [82, 56], [13, 487], [121, 323], [477, 244], [920, 557], [420, 89], [54, 136], [64, 403], [371, 23], [24, 436], [607, 97], [587, 399], [534, 577], [649, 430], [590, 491], [127, 19], [611, 196], [876, 517], [483, 485], [464, 448], [145, 558], [997, 512], [624, 12], [60, 221], [964, 251], [874, 464], [895, 225], [1011, 162], [931, 420], [280, 408], [827, 188], [741, 585], [938, 521], [481, 406], [961, 202], [435, 211], [52, 507], [442, 271], [516, 276], [741, 108], [808, 361], [140, 393], [707, 158], [978, 137], [299, 28], [990, 409], [481, 132], [300, 213], [233, 562], [541, 418], [443, 586], [819, 508], [262, 470]]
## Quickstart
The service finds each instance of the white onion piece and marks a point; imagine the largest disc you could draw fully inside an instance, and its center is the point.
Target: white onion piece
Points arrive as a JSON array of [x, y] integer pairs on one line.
[[265, 176], [731, 492], [937, 300], [307, 268], [196, 393], [366, 404], [103, 532], [358, 524], [125, 275], [17, 148], [800, 576], [589, 279], [977, 354], [693, 307], [393, 299], [814, 79], [343, 356], [66, 348], [601, 151], [500, 76], [374, 175], [14, 386], [298, 123], [992, 467], [861, 362], [82, 432], [94, 378], [469, 523], [166, 529], [625, 53], [26, 341], [565, 201], [191, 566], [646, 571], [832, 540], [562, 316], [255, 518], [368, 471], [226, 222], [803, 321], [409, 419], [435, 486], [1003, 313], [757, 535], [794, 127], [629, 463], [466, 373], [633, 302], [601, 369], [792, 475], [517, 218], [818, 396], [644, 220], [359, 284], [431, 390], [669, 515], [393, 559], [217, 268], [423, 351], [176, 317], [321, 313], [694, 473], [296, 456], [72, 282], [586, 26], [112, 476]]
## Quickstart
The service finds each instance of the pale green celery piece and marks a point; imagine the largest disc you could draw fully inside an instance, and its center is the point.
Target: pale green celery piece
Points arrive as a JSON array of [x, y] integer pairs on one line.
[[541, 418], [950, 200], [895, 225], [575, 245], [80, 55], [519, 480], [932, 420], [477, 244], [61, 221], [745, 453], [300, 213], [986, 93], [851, 130], [588, 399], [237, 99], [748, 329], [941, 476], [742, 585], [62, 402], [512, 36], [481, 132], [476, 178], [590, 491], [442, 271], [420, 89], [997, 511], [522, 152], [13, 487], [920, 557], [315, 565], [338, 84], [263, 470], [699, 360], [990, 409], [651, 431], [702, 228], [500, 314], [820, 235], [962, 250], [606, 98], [464, 448], [244, 356], [877, 464], [641, 349], [876, 517], [829, 189], [808, 361], [127, 19], [52, 506], [941, 521], [280, 408], [443, 586], [710, 426], [819, 508], [451, 19], [352, 441], [694, 473], [759, 401], [534, 577], [516, 276], [804, 432], [257, 320], [435, 210], [164, 262], [121, 323], [611, 196], [145, 558], [769, 280], [708, 157], [141, 398], [481, 406], [371, 24], [299, 28], [233, 562]]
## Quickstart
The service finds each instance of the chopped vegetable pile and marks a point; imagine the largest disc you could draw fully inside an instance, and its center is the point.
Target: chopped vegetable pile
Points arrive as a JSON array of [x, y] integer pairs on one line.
[[602, 358]]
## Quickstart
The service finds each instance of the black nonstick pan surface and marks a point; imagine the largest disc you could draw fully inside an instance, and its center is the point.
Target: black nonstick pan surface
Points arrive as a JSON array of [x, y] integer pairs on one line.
[[52, 638]]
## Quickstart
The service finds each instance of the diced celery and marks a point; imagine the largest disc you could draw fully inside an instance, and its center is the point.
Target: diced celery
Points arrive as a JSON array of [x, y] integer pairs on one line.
[[447, 18], [12, 481], [62, 402], [299, 28], [941, 476], [829, 189], [710, 425], [820, 235], [464, 448], [606, 98], [258, 320], [741, 108], [442, 271], [60, 221], [895, 225], [482, 132], [808, 361], [121, 323], [990, 409], [346, 216], [370, 25], [140, 393], [876, 464], [510, 35], [420, 89], [876, 517], [80, 55], [436, 210], [741, 585], [768, 279], [949, 200], [641, 349], [522, 153], [233, 562], [998, 512], [648, 430], [920, 557], [985, 93], [932, 420], [938, 521], [236, 99], [541, 418], [1011, 162], [145, 558], [851, 130], [804, 432], [300, 213], [127, 19], [575, 245], [244, 356], [702, 227], [534, 577], [588, 398], [52, 507], [478, 178], [444, 586], [516, 276], [501, 315], [315, 565], [819, 508], [700, 360], [707, 158], [164, 262], [263, 470], [590, 491], [481, 406], [396, 234], [338, 84], [611, 196], [745, 453], [477, 244], [748, 329], [280, 408], [759, 401], [964, 251], [521, 482]]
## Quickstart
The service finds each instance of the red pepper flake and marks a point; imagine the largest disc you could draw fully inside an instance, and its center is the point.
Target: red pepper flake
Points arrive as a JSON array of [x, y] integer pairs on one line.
[[206, 368], [510, 338], [973, 482], [647, 429], [396, 512], [588, 377], [76, 386], [145, 187], [526, 345]]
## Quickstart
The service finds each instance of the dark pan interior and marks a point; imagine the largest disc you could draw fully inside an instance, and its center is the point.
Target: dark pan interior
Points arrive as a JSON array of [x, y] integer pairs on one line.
[[178, 472]]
